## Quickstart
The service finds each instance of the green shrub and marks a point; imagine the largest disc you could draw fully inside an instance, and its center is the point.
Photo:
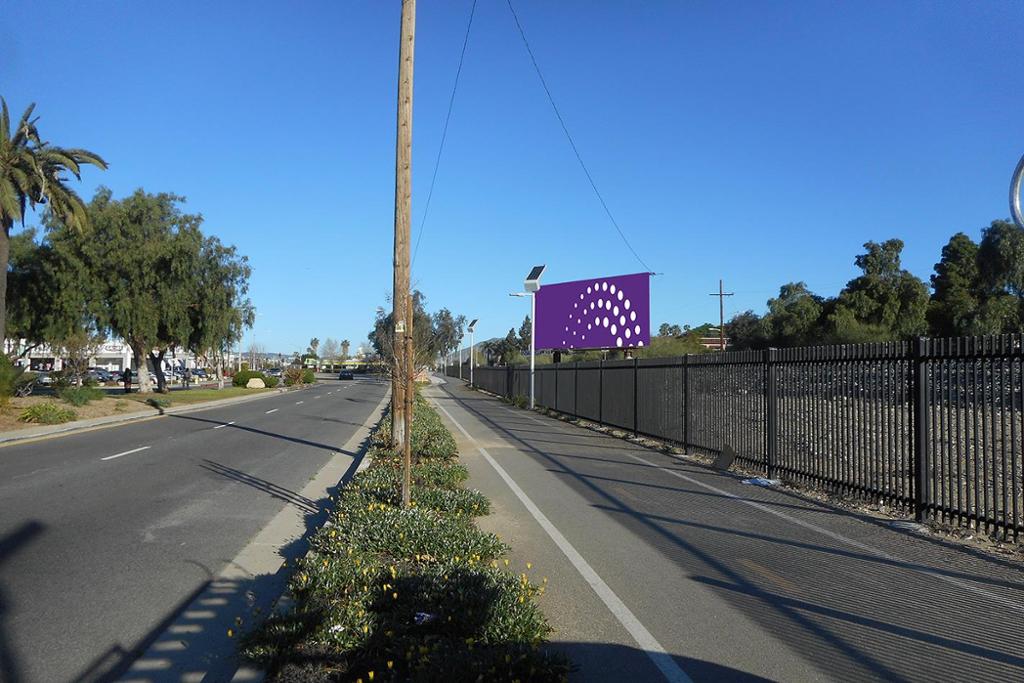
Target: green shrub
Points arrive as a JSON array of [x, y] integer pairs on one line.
[[47, 414], [308, 377], [11, 376], [430, 438], [270, 381], [242, 377], [520, 401], [158, 403], [79, 396]]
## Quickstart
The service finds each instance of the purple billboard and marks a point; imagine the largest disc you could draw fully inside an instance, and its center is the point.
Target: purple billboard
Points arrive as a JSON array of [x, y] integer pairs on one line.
[[601, 313]]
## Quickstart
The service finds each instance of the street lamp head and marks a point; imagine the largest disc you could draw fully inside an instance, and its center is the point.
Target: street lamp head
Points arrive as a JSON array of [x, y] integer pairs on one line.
[[519, 293], [472, 325], [532, 282]]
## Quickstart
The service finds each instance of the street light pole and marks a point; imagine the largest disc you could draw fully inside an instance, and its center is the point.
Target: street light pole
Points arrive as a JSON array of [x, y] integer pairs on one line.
[[472, 328]]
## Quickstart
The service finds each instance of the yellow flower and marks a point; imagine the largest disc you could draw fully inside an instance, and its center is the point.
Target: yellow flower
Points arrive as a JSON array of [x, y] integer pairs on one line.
[[370, 674], [394, 596], [529, 565], [231, 633], [390, 664]]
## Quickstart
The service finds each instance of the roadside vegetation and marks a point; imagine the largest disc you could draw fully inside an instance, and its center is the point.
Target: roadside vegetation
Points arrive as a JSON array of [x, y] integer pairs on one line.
[[408, 594]]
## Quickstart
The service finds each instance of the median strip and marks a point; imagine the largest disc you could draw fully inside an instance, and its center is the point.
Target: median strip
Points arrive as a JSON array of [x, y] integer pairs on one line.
[[118, 455]]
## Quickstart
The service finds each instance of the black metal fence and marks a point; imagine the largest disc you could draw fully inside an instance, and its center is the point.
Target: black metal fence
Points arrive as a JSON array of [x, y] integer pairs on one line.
[[934, 426]]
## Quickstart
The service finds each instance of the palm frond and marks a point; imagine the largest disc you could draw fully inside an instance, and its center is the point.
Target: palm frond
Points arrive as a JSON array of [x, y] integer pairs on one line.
[[5, 121], [10, 206]]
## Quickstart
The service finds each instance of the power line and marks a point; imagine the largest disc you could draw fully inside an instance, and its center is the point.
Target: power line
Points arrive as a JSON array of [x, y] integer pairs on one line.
[[444, 132], [568, 136]]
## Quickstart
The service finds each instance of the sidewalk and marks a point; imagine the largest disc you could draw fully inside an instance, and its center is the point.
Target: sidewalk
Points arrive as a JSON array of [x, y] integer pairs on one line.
[[733, 582]]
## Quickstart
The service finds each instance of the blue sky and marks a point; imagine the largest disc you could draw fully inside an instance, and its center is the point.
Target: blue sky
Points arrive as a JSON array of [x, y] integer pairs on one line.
[[757, 142]]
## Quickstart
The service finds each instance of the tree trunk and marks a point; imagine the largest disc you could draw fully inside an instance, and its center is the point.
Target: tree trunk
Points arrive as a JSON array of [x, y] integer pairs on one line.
[[158, 370], [5, 255], [220, 371], [141, 369]]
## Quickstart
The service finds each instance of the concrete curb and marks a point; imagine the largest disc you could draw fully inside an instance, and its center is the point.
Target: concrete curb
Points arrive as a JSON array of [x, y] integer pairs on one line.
[[33, 433]]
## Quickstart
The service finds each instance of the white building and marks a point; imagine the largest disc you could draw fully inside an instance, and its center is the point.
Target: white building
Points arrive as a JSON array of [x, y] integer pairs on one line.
[[113, 355]]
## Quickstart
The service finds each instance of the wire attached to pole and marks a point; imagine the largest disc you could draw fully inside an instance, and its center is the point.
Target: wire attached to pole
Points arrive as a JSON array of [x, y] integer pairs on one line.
[[444, 132], [572, 143]]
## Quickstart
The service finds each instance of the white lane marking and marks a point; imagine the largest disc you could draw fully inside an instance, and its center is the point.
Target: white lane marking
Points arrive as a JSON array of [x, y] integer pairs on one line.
[[118, 455], [299, 403], [877, 552], [316, 397], [272, 410], [224, 425], [661, 658]]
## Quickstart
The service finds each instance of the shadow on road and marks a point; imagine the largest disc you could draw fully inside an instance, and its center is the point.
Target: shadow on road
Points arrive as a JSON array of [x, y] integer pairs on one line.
[[263, 432], [10, 671], [201, 632]]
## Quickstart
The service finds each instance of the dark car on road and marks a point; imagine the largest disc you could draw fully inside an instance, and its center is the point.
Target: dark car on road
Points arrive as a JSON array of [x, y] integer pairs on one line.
[[345, 374]]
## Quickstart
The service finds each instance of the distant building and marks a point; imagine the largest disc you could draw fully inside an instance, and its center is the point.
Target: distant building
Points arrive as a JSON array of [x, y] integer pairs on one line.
[[714, 343]]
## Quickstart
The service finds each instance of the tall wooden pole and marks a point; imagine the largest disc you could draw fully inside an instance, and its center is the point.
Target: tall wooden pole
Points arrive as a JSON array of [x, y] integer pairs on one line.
[[400, 379], [410, 391]]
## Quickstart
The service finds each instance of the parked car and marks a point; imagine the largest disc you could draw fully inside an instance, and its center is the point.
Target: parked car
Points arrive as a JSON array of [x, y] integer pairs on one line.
[[274, 372], [200, 373], [346, 374], [44, 378]]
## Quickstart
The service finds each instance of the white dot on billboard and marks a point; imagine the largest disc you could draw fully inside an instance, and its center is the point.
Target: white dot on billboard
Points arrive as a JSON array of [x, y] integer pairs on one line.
[[626, 304], [628, 333], [612, 289], [632, 315], [588, 292], [577, 321], [581, 297], [604, 286], [620, 295], [618, 342], [591, 305], [597, 320], [615, 330], [622, 320], [600, 303], [588, 326], [640, 343], [615, 310], [605, 322], [566, 328], [637, 329]]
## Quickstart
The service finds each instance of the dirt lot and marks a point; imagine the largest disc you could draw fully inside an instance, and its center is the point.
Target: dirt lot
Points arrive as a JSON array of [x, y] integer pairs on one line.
[[108, 406]]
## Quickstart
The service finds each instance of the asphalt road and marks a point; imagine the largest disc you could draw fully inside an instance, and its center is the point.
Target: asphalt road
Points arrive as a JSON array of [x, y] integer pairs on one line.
[[104, 534], [730, 581]]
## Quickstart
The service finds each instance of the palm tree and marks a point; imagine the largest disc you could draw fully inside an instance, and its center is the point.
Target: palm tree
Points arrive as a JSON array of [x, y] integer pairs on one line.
[[344, 349], [32, 174]]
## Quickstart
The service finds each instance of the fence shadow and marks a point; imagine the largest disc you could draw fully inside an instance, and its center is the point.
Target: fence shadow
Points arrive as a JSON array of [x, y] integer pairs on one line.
[[847, 630]]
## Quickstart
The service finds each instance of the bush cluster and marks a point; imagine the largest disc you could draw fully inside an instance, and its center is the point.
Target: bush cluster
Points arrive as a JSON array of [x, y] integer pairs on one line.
[[47, 414], [308, 376], [79, 396], [295, 375], [242, 377], [408, 594]]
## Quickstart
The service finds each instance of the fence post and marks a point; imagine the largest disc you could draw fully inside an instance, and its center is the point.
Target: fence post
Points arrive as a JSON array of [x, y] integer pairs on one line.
[[600, 393], [919, 403], [636, 401], [575, 389], [771, 412], [686, 402]]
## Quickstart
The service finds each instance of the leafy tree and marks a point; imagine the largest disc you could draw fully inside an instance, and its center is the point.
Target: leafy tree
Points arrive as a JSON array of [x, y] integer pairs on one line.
[[793, 316], [746, 331], [525, 332], [956, 299], [330, 349], [32, 173], [447, 331], [151, 276], [314, 344], [885, 303], [666, 330], [1001, 276], [345, 346]]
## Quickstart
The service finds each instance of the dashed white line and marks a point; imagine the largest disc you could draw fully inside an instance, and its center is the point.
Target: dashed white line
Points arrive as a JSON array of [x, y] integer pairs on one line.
[[299, 403], [272, 410], [118, 455], [226, 424]]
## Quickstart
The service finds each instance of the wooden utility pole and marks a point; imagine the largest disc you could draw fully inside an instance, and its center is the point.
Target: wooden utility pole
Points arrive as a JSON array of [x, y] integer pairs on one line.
[[721, 294], [401, 380]]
